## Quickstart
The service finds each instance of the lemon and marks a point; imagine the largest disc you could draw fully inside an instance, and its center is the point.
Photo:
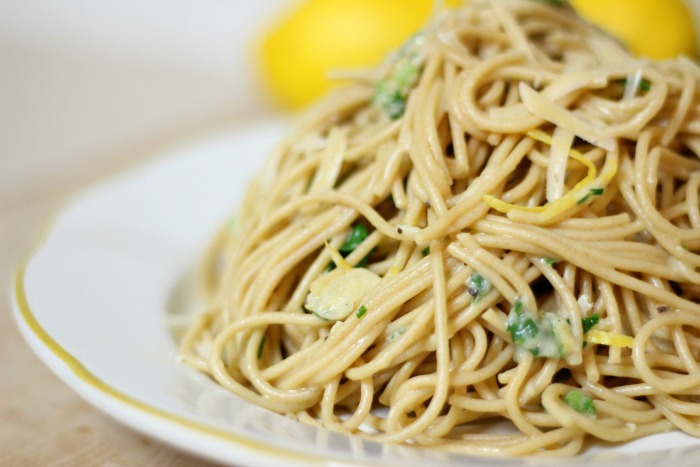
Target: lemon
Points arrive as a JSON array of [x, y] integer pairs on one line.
[[316, 37], [322, 36], [656, 29]]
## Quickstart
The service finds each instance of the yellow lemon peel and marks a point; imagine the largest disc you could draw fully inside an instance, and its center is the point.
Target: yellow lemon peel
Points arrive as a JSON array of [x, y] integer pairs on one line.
[[612, 339], [657, 29], [337, 258], [550, 211], [315, 38]]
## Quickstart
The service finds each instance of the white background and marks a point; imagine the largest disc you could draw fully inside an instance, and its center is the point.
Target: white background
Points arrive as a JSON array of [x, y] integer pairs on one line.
[[88, 86]]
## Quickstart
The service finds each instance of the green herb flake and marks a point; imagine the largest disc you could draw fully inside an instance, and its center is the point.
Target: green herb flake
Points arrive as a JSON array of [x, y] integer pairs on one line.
[[518, 307], [584, 199], [406, 76], [591, 192], [394, 105], [549, 260], [554, 2], [425, 251], [263, 339], [644, 84], [478, 286], [589, 321], [357, 235], [391, 93], [361, 311], [580, 403], [522, 330], [547, 336]]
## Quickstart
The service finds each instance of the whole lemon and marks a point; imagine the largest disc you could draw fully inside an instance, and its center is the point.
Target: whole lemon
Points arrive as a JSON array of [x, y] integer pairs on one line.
[[320, 36], [656, 29], [317, 37]]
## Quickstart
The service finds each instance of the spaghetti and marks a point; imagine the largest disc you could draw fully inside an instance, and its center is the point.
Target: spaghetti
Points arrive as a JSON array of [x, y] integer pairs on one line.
[[502, 223]]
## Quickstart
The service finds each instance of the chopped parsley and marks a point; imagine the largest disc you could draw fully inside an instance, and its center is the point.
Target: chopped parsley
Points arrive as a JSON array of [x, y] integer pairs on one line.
[[391, 93], [425, 251], [580, 402], [478, 286], [644, 84], [357, 235], [591, 192], [554, 2], [589, 321], [549, 336], [392, 101], [548, 260], [361, 311], [523, 329]]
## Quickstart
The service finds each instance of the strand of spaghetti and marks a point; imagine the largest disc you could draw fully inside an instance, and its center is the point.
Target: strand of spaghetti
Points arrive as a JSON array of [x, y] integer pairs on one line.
[[663, 229], [354, 336], [670, 384], [415, 325], [609, 429], [468, 207], [512, 395], [187, 343], [466, 108], [291, 399], [568, 204], [569, 304], [685, 102], [551, 112], [677, 419], [365, 404], [587, 258], [439, 394]]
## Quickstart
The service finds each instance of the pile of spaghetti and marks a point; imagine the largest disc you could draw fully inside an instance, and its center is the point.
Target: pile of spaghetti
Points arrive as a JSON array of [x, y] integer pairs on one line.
[[501, 224]]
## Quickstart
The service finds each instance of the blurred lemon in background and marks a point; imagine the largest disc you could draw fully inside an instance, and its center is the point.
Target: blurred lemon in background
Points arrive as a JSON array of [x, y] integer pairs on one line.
[[321, 36], [655, 29], [317, 37]]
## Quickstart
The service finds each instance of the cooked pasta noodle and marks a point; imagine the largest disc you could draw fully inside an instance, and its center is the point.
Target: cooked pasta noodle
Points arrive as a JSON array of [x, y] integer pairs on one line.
[[501, 223]]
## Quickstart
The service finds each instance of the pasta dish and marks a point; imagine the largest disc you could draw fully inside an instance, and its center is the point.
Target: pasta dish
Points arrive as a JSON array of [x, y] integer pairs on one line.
[[500, 224]]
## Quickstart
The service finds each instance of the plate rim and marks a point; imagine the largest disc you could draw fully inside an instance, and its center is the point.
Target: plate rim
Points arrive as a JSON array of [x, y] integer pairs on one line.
[[87, 385], [35, 334]]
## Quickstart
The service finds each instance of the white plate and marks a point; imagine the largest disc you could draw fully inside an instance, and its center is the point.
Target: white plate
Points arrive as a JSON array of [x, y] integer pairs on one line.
[[96, 297]]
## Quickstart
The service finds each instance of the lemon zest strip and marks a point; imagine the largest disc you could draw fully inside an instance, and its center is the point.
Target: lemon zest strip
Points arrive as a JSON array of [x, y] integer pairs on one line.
[[337, 258], [612, 339], [554, 208]]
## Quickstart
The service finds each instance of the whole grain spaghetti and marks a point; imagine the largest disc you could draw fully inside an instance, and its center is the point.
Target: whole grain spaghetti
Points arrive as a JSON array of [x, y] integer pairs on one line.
[[501, 224]]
